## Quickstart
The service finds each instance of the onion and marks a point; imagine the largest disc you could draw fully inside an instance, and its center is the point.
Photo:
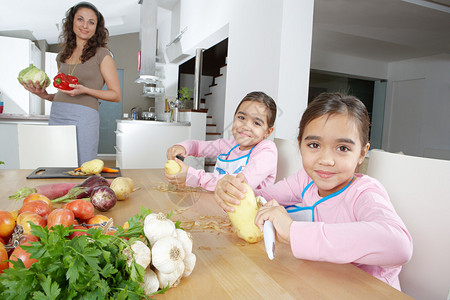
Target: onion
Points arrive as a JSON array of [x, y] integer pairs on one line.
[[103, 198]]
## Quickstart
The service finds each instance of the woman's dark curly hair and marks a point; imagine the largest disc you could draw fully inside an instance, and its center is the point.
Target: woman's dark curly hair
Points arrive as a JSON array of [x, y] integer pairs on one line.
[[68, 41]]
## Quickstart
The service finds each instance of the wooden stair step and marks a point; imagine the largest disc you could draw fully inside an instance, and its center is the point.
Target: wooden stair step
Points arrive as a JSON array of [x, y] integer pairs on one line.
[[213, 133], [215, 84], [207, 94]]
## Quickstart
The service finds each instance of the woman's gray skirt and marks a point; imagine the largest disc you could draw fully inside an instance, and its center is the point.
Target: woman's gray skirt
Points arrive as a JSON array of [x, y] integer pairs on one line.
[[87, 122]]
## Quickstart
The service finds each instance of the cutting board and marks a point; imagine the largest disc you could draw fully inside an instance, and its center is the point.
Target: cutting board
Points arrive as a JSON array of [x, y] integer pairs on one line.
[[54, 172]]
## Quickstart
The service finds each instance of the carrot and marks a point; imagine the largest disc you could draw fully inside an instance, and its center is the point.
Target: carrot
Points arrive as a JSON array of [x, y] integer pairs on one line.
[[51, 191], [109, 170], [104, 170]]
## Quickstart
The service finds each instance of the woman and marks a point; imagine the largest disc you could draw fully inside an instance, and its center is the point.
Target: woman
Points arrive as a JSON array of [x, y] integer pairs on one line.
[[85, 56]]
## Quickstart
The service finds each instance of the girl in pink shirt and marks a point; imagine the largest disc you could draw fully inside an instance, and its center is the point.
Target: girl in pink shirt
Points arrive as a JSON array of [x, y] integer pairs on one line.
[[248, 152], [326, 212]]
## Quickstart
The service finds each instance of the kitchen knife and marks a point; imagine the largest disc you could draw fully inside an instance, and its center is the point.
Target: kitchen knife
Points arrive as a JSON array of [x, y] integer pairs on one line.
[[269, 234]]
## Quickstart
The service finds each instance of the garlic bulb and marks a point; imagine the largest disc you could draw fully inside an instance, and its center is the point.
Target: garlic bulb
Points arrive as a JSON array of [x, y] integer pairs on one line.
[[142, 254], [167, 254], [189, 263], [157, 226], [186, 240], [150, 282], [172, 279]]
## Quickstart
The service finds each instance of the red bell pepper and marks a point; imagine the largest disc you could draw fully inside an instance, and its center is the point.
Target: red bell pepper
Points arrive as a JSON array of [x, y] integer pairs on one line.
[[62, 81]]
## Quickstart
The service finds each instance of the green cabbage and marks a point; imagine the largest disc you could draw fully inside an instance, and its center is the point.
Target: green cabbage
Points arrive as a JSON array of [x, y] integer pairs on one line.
[[34, 74]]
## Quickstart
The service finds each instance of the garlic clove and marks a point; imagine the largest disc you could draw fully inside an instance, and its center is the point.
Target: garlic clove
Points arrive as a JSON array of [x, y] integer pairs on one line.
[[189, 264], [142, 254], [150, 282], [172, 278], [186, 239]]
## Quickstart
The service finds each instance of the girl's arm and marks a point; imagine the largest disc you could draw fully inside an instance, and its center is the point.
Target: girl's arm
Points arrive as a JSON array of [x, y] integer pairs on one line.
[[262, 165], [377, 237]]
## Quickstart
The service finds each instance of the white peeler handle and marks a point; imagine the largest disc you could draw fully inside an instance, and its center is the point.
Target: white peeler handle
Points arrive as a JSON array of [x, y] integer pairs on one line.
[[269, 235]]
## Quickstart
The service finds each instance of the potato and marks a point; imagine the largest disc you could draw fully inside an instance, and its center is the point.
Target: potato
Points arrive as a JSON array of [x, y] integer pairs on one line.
[[92, 167], [172, 167], [243, 217], [122, 187]]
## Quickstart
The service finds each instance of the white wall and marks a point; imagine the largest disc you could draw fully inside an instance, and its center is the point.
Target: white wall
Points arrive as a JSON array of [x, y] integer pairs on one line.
[[428, 108], [268, 50]]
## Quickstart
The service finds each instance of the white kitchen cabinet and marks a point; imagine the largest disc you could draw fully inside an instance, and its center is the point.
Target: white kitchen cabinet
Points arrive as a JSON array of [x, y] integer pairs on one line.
[[143, 144], [30, 146]]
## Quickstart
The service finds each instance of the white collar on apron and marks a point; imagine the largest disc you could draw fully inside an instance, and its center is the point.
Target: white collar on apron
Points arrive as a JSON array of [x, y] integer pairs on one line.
[[306, 213], [231, 166]]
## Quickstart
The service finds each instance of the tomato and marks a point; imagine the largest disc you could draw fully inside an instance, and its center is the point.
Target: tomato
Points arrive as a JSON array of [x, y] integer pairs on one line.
[[7, 223], [20, 253], [78, 233], [38, 207], [3, 256], [81, 209], [60, 216], [14, 213], [28, 238], [34, 218], [36, 196], [97, 219]]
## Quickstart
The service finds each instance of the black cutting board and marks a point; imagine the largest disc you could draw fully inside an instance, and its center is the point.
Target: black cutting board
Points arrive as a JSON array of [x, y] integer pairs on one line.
[[54, 172]]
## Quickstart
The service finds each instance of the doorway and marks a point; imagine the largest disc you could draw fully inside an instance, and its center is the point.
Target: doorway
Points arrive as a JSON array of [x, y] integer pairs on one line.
[[372, 92]]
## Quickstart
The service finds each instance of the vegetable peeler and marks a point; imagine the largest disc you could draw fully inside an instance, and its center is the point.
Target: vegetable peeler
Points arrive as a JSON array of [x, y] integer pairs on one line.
[[269, 234]]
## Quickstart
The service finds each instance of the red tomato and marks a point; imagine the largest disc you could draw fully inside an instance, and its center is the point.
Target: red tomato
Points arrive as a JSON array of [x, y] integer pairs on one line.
[[77, 233], [7, 223], [60, 216], [81, 209], [35, 197], [24, 256], [28, 238], [34, 218], [3, 256], [38, 207]]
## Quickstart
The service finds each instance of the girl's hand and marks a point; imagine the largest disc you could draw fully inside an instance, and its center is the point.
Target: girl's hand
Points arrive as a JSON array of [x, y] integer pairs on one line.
[[179, 179], [227, 187], [36, 88], [173, 151], [279, 217], [77, 90]]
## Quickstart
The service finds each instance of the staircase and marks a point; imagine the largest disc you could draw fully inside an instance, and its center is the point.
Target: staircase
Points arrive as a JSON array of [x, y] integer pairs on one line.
[[214, 102]]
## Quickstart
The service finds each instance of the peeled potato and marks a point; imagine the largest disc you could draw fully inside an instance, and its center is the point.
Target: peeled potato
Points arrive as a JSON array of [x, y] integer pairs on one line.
[[243, 217], [172, 167]]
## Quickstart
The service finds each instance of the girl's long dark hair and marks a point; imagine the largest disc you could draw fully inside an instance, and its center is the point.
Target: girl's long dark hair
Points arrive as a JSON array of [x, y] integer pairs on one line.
[[68, 41]]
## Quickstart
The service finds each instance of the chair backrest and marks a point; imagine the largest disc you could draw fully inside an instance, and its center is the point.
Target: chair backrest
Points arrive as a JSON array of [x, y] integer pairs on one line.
[[289, 158], [47, 146], [419, 189]]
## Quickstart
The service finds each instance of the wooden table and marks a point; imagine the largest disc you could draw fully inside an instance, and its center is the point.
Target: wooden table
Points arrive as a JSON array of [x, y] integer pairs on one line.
[[227, 267]]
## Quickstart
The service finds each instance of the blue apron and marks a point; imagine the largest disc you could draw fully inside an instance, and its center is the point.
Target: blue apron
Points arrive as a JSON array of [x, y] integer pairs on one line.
[[299, 213], [231, 166]]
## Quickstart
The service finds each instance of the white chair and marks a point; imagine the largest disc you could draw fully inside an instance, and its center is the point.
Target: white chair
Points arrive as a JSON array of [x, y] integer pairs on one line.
[[47, 146], [419, 189], [289, 158]]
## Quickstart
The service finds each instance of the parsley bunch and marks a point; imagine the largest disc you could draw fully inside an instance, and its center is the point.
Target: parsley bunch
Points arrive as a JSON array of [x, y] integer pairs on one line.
[[86, 267]]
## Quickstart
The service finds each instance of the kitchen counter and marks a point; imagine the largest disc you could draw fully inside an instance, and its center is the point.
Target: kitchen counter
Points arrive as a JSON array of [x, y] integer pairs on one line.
[[227, 267], [18, 118], [156, 123]]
